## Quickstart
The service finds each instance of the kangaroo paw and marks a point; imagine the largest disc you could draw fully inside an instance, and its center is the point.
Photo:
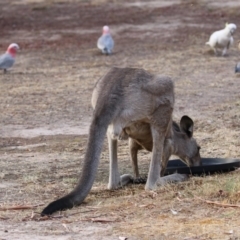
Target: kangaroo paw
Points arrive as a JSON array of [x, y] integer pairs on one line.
[[173, 178], [139, 180], [126, 179]]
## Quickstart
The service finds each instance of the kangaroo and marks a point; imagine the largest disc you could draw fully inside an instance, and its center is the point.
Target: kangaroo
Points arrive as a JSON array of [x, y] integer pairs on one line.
[[181, 144], [124, 96]]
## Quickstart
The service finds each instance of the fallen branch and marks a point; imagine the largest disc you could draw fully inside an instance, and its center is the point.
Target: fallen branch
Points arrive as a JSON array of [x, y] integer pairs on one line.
[[218, 203], [43, 218], [80, 212], [20, 207], [36, 216], [102, 220]]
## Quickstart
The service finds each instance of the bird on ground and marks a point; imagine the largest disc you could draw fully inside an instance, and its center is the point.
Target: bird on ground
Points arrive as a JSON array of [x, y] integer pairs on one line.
[[8, 58], [105, 43], [237, 67], [222, 39]]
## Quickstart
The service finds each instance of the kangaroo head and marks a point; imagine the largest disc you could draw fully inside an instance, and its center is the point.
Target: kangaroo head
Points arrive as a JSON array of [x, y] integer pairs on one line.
[[185, 146]]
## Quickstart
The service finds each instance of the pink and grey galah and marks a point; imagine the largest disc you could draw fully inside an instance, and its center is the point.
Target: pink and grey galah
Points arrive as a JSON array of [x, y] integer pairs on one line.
[[105, 42], [8, 58]]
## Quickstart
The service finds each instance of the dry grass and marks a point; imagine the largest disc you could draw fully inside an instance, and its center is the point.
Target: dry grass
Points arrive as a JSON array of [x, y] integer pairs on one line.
[[172, 210]]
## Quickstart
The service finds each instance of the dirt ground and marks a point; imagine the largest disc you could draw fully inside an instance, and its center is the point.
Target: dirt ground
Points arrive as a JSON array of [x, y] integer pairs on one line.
[[45, 105]]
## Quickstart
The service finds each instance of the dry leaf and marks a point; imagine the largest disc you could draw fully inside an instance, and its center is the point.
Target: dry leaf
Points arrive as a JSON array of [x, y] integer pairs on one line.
[[147, 206], [174, 212], [229, 232], [66, 227], [122, 238]]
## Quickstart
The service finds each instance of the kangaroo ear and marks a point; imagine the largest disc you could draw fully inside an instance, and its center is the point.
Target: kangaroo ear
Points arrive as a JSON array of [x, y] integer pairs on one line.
[[186, 125]]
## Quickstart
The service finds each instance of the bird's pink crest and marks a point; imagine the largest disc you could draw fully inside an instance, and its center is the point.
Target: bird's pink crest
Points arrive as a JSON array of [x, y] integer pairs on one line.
[[12, 49], [105, 30]]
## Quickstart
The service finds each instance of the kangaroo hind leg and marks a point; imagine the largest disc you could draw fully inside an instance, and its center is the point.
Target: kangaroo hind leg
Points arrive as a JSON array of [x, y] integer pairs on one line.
[[160, 128], [115, 180]]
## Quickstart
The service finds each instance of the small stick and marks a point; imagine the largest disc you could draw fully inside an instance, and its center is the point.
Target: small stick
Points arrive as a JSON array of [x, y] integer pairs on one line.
[[218, 203], [20, 207], [103, 220]]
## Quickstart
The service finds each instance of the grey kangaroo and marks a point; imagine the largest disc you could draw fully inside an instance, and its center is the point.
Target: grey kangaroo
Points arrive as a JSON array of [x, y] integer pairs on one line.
[[124, 96], [181, 144]]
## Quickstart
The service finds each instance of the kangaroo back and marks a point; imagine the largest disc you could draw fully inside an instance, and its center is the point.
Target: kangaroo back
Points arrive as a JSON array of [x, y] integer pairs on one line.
[[122, 96]]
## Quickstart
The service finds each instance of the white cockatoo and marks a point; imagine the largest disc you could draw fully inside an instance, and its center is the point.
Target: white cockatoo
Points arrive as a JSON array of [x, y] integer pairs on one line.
[[8, 58], [105, 43], [222, 39]]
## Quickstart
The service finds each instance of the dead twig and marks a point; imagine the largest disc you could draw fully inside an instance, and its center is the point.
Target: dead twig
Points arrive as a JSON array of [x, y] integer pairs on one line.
[[76, 213], [66, 227], [43, 218], [102, 220], [20, 207], [218, 203]]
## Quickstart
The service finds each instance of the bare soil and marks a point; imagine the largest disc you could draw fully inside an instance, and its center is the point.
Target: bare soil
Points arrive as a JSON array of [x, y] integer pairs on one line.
[[45, 106]]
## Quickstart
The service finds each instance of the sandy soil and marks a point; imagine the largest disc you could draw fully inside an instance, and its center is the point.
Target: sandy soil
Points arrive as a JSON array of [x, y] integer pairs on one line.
[[45, 105]]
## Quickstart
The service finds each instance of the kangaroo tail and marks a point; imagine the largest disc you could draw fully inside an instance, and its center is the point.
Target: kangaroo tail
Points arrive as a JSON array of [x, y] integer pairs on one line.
[[102, 117]]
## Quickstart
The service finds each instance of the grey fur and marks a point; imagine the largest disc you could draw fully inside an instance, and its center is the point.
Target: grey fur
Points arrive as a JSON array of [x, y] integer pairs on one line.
[[122, 97], [6, 61], [181, 144], [105, 44]]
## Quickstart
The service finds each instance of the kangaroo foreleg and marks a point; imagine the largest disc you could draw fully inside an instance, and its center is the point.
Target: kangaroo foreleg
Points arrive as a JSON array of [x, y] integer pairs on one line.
[[167, 152], [134, 147], [173, 178]]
